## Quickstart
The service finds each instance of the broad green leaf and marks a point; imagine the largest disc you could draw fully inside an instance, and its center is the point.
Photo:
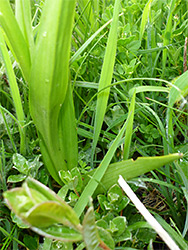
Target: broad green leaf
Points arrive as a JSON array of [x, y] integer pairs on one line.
[[39, 206], [15, 38], [121, 223], [59, 232], [52, 106], [133, 168], [18, 201], [106, 238], [20, 163], [16, 178], [51, 212], [90, 233], [106, 76]]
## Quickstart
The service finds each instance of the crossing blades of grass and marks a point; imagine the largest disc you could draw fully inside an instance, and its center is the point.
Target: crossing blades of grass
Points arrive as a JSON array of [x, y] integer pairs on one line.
[[99, 173], [49, 98], [106, 76], [14, 92], [168, 33]]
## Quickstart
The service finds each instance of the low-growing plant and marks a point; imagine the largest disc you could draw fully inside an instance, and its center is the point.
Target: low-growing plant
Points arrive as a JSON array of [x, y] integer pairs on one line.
[[45, 60]]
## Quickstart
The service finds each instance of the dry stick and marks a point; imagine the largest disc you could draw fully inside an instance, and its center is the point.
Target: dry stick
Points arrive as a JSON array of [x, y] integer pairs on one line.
[[185, 56], [147, 215]]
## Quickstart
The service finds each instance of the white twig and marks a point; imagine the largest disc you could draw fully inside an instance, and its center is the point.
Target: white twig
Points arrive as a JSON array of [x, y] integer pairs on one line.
[[147, 215]]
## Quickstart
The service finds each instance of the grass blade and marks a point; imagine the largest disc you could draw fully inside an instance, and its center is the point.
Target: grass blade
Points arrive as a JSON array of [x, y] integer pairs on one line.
[[129, 129], [106, 76], [130, 169], [168, 33], [23, 16], [98, 174], [15, 38], [144, 18], [14, 92]]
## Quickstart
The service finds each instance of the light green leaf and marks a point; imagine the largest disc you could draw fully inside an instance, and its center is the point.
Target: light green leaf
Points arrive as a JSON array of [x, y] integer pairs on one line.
[[51, 212], [90, 233], [59, 232], [51, 103]]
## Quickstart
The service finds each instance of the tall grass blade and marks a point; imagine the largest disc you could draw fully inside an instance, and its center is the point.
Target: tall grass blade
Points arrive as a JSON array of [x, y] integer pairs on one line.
[[49, 83], [129, 129], [177, 237], [106, 76], [98, 174], [168, 32], [14, 92], [15, 38], [144, 20]]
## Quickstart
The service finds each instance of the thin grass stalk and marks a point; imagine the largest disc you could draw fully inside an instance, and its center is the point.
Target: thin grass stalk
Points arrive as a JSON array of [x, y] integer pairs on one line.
[[106, 76], [14, 93]]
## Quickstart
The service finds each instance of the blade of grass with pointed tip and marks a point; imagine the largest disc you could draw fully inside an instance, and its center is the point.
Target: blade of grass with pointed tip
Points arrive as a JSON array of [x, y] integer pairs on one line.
[[129, 129], [14, 92], [144, 18], [49, 83], [130, 169], [84, 46], [99, 173], [15, 38], [141, 89], [106, 76]]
